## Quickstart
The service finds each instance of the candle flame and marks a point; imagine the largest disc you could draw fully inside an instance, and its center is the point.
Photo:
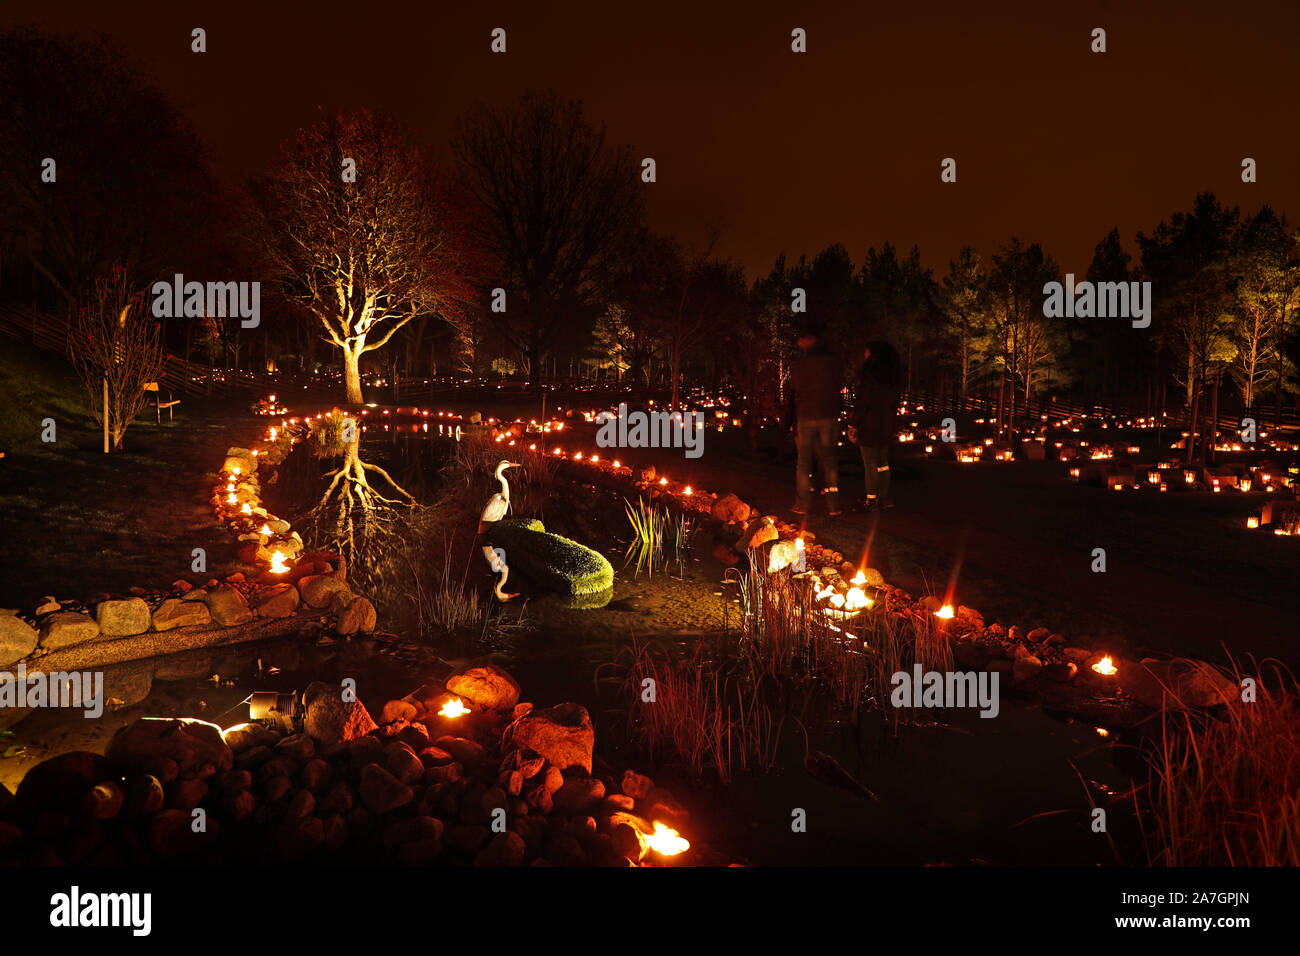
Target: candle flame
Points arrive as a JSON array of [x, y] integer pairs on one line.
[[454, 708], [666, 841], [277, 563], [1106, 666], [946, 612]]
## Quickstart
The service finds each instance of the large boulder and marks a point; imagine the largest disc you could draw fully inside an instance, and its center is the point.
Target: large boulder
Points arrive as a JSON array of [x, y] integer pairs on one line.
[[488, 688], [66, 628], [563, 734], [122, 618], [330, 720], [171, 748], [228, 606], [17, 638], [177, 613], [760, 531], [322, 590], [277, 601], [59, 784]]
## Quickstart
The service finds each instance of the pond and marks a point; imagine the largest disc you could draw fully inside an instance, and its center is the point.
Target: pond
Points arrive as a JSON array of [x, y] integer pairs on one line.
[[956, 790]]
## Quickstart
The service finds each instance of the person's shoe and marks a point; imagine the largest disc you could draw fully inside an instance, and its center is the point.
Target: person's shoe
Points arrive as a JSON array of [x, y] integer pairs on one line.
[[871, 504], [798, 509]]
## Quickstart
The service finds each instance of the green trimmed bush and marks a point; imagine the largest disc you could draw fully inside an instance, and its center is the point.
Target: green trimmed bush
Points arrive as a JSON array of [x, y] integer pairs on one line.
[[550, 560]]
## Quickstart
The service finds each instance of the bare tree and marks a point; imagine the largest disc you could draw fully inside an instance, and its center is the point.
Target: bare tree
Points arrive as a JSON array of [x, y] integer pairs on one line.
[[116, 347], [366, 255], [561, 211]]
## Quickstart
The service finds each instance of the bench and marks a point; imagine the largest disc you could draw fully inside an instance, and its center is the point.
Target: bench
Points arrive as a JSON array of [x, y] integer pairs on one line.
[[159, 404]]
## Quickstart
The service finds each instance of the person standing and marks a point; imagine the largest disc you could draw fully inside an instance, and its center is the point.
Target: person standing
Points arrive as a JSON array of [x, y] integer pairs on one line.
[[813, 409], [873, 421]]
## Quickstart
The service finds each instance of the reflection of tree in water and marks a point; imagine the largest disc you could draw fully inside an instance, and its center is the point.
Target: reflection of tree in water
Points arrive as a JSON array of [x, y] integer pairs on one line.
[[356, 519]]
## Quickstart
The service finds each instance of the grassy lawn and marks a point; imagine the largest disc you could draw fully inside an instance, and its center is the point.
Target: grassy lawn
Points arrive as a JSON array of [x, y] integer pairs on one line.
[[77, 521]]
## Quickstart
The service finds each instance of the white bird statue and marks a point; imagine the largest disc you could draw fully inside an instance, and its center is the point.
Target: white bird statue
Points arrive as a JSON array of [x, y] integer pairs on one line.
[[496, 559], [499, 503]]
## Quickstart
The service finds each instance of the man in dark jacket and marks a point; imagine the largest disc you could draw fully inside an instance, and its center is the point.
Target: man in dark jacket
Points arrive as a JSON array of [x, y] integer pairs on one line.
[[813, 408], [873, 422]]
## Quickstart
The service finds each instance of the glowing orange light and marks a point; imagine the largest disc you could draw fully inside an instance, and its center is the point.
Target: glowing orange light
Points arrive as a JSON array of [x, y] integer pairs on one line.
[[663, 481], [687, 490], [860, 578], [277, 563], [231, 500], [1252, 522], [246, 509], [454, 708], [946, 612], [266, 529], [1106, 666]]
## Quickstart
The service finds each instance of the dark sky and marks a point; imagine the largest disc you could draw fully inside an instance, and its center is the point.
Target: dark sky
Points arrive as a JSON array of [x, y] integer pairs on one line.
[[843, 143]]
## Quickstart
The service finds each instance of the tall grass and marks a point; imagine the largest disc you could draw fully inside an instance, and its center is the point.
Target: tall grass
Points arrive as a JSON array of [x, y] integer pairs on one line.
[[701, 712], [1225, 788]]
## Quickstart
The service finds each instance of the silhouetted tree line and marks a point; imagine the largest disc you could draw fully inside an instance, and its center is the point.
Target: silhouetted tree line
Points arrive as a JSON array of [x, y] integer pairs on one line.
[[530, 250]]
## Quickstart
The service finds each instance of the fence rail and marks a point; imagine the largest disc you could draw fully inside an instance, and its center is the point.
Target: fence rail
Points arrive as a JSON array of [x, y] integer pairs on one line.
[[190, 378]]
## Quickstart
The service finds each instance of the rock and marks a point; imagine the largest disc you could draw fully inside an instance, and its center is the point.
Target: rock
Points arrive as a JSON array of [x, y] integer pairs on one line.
[[1062, 673], [122, 618], [171, 834], [315, 774], [381, 791], [58, 784], [184, 794], [104, 801], [647, 473], [786, 554], [238, 804], [565, 850], [66, 628], [299, 836], [1177, 684], [504, 849], [488, 688], [301, 804], [319, 590], [233, 780], [228, 606], [1037, 634], [330, 720], [404, 765], [562, 734], [277, 601], [636, 785], [17, 638], [243, 736], [469, 838], [1025, 667], [183, 667], [357, 618], [174, 612], [412, 829], [145, 795], [552, 780], [396, 710], [195, 746], [628, 842], [759, 532], [297, 747], [730, 508], [466, 751], [579, 795]]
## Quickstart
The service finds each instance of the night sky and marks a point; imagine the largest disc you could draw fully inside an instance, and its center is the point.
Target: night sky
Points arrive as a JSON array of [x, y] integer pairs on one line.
[[1053, 143]]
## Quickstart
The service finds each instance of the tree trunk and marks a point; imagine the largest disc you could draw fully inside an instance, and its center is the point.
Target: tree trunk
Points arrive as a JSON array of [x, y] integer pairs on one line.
[[352, 375]]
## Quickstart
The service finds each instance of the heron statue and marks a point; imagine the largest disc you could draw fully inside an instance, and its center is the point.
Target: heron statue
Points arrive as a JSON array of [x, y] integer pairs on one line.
[[493, 512], [496, 559], [499, 503]]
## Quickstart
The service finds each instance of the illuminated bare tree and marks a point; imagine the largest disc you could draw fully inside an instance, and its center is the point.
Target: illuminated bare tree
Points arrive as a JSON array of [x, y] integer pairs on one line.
[[357, 227], [116, 347]]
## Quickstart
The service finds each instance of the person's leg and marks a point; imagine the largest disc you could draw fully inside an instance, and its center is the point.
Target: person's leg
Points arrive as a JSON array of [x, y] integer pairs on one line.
[[870, 476], [828, 460], [804, 435], [882, 470]]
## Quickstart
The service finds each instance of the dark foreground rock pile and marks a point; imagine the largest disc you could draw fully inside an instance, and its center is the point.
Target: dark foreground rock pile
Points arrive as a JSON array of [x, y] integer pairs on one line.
[[504, 784]]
